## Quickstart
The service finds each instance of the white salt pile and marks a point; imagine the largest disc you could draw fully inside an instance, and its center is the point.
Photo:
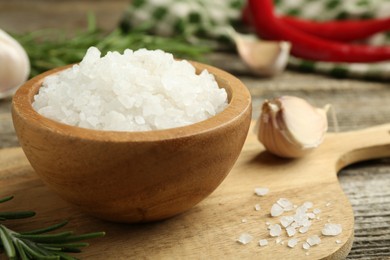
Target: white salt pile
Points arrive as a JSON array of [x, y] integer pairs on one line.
[[134, 91]]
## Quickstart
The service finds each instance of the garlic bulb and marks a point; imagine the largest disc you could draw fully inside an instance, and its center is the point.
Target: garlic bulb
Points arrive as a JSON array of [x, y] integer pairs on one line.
[[290, 127], [14, 64]]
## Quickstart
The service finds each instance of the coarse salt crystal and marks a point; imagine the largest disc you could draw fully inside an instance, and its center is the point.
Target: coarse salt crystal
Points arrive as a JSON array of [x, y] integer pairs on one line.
[[332, 229], [257, 207], [245, 238], [313, 240], [290, 231], [263, 242], [275, 230], [261, 191], [285, 204], [311, 215], [338, 241], [278, 240], [292, 242], [305, 246], [295, 225], [276, 210], [304, 229], [286, 220]]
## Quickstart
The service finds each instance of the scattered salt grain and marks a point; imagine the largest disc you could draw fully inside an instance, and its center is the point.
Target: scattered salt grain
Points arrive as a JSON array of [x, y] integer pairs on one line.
[[291, 231], [311, 215], [338, 241], [261, 191], [244, 238], [313, 240], [244, 220], [285, 204], [304, 229], [257, 207], [263, 242], [275, 230], [135, 91], [276, 210], [332, 229], [327, 204], [305, 246], [278, 240], [292, 242], [286, 220]]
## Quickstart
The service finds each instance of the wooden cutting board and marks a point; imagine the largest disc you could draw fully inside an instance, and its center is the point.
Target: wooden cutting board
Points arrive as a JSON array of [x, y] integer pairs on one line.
[[210, 230]]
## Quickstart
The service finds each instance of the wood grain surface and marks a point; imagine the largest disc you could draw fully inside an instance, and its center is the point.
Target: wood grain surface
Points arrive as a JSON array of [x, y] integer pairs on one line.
[[211, 228], [358, 104]]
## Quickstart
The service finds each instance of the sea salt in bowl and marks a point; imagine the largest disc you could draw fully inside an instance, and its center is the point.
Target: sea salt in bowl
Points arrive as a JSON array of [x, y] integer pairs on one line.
[[134, 176]]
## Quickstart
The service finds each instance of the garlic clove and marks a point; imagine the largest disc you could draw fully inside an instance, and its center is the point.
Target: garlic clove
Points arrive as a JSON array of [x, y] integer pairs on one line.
[[14, 66], [264, 58], [290, 127]]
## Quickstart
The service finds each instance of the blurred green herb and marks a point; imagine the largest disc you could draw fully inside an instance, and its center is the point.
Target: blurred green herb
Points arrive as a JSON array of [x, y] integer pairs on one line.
[[39, 244], [48, 49]]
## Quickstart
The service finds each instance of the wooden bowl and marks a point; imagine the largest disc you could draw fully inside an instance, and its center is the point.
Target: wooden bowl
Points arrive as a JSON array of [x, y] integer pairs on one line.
[[134, 176]]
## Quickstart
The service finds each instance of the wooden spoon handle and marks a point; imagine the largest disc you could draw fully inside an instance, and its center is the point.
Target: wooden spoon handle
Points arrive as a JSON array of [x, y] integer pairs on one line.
[[361, 145]]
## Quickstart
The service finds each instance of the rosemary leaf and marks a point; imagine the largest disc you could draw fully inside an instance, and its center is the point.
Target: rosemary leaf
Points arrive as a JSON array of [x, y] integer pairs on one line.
[[44, 230], [7, 243], [37, 255], [46, 238], [65, 245], [21, 253], [6, 199], [16, 215]]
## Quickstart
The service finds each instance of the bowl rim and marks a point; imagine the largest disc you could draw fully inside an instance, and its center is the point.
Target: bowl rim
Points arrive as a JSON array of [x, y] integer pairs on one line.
[[238, 105]]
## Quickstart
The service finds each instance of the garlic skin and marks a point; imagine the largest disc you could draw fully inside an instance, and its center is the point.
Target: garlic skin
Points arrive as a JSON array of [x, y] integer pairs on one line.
[[290, 127], [14, 64]]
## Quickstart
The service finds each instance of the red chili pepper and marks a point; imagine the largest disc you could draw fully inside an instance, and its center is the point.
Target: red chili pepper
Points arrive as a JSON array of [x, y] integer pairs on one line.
[[346, 30], [308, 46]]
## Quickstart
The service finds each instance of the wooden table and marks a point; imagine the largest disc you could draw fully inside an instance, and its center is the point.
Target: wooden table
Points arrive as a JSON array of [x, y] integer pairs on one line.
[[358, 104]]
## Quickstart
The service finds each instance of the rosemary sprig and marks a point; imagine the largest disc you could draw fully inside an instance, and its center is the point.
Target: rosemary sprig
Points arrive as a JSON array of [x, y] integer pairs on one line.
[[15, 214], [48, 49], [38, 243]]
